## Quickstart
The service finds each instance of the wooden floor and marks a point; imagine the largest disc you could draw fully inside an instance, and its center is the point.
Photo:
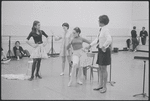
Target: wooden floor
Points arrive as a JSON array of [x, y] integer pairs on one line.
[[126, 72]]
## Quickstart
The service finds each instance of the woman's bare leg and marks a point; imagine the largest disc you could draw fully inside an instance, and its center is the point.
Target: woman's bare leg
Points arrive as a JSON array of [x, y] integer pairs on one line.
[[73, 70], [101, 76], [63, 65], [79, 75], [105, 75], [70, 64]]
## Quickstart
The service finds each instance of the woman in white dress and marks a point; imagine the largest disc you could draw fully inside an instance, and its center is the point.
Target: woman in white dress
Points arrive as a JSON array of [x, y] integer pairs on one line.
[[64, 52]]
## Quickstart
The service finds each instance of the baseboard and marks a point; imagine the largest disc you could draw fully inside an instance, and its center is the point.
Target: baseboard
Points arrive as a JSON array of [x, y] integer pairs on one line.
[[142, 51], [97, 52], [122, 50], [94, 51], [53, 54]]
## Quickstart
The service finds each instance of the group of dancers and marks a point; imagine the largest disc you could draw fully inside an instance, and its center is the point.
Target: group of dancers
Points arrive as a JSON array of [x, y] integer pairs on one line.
[[72, 49]]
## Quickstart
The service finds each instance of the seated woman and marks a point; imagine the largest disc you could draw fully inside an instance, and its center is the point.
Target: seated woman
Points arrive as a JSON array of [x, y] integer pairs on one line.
[[79, 55], [128, 41], [19, 52], [4, 59]]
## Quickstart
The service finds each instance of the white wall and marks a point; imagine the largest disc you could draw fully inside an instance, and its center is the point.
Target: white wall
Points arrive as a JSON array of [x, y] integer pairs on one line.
[[140, 15], [18, 16], [76, 13]]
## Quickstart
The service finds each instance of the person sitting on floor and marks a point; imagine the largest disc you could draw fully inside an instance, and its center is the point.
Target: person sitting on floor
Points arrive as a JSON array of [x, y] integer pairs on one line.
[[19, 52], [128, 41], [4, 59]]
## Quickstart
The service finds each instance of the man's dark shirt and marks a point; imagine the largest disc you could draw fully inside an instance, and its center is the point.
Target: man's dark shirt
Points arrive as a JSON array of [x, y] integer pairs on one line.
[[133, 34]]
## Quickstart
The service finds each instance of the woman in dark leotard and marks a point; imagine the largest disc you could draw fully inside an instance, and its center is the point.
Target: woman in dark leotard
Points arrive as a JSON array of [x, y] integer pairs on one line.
[[39, 51]]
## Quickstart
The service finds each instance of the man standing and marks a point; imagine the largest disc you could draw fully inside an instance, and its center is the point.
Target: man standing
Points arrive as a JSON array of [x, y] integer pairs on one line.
[[143, 35], [134, 38]]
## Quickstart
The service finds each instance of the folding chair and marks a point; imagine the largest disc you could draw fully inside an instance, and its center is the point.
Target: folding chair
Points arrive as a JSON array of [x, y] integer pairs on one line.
[[91, 67]]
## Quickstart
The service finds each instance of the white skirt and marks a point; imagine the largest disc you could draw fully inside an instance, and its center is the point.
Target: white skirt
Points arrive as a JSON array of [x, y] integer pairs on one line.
[[39, 52]]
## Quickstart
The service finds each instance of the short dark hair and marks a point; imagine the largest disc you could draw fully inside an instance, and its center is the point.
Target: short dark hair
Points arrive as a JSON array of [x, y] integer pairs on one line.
[[144, 27], [134, 27], [104, 19], [17, 42], [77, 29], [66, 24]]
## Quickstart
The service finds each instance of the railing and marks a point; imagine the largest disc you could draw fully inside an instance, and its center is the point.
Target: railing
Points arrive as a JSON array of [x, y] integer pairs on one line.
[[117, 41], [8, 42]]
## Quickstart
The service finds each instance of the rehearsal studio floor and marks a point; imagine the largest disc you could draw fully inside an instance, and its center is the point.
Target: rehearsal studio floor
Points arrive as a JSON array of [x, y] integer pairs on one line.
[[127, 72]]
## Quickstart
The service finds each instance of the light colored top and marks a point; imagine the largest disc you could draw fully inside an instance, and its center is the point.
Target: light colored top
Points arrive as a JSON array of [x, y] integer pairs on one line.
[[104, 38], [66, 37], [77, 43]]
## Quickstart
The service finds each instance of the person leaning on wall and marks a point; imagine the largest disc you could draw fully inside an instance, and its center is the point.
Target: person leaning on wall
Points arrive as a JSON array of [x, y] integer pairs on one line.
[[143, 35], [19, 52]]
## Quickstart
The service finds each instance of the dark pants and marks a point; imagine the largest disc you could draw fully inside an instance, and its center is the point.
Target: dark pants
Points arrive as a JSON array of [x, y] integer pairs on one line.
[[36, 63], [135, 43], [18, 53], [143, 40]]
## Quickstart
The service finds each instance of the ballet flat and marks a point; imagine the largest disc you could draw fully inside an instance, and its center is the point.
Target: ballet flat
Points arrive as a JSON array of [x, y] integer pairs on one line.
[[61, 74], [98, 88], [103, 90], [38, 76], [79, 82], [30, 79]]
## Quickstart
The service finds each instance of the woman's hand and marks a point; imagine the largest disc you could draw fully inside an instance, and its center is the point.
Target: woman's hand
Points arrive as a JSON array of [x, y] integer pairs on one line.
[[103, 49], [85, 50], [44, 44], [88, 47], [57, 38]]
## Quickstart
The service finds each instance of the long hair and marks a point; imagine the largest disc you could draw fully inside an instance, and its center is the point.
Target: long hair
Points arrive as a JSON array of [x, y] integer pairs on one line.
[[34, 24]]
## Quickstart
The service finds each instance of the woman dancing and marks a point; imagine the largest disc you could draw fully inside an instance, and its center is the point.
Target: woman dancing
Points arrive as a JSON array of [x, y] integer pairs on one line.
[[104, 41], [39, 51], [64, 52], [79, 56]]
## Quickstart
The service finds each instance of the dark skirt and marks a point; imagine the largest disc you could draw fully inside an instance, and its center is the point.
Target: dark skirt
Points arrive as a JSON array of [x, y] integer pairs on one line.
[[104, 58]]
